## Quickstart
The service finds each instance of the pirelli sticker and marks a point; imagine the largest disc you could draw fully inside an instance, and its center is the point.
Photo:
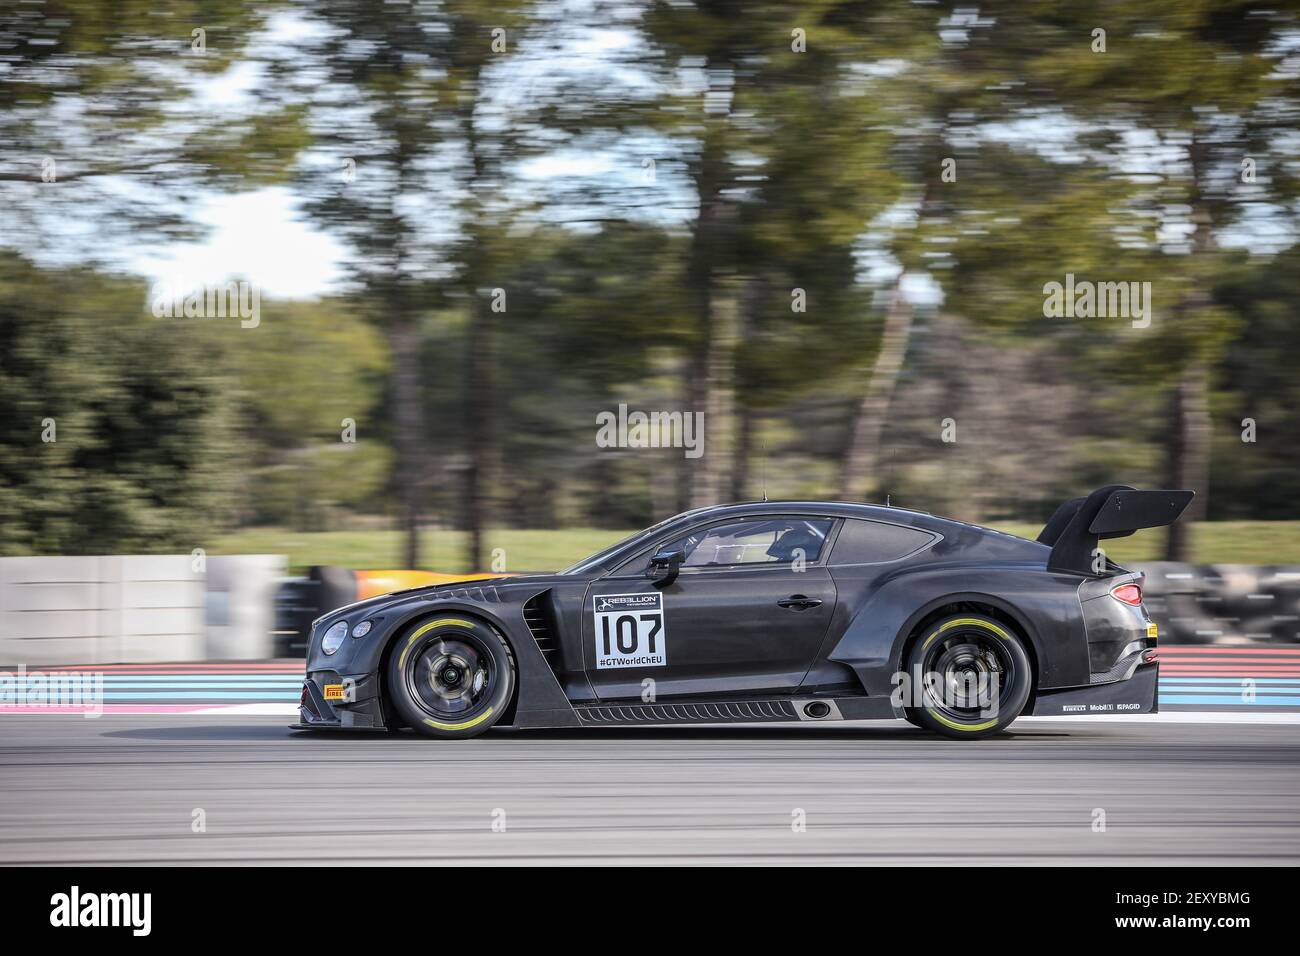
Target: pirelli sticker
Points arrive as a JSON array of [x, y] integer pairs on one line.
[[1153, 631], [630, 630], [334, 692]]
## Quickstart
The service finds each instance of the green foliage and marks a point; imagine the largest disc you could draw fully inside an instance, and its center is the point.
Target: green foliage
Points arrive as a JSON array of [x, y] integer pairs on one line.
[[303, 374], [1240, 542], [142, 447], [104, 89], [1259, 382], [818, 171]]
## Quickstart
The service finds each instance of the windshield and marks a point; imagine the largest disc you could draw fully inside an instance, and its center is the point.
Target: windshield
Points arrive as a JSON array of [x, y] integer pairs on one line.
[[587, 564]]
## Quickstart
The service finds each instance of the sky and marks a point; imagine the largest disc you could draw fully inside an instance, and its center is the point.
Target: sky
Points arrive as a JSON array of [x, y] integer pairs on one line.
[[259, 236], [263, 237]]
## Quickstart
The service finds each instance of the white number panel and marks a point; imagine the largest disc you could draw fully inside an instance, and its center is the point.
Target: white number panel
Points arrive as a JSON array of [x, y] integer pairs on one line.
[[630, 630]]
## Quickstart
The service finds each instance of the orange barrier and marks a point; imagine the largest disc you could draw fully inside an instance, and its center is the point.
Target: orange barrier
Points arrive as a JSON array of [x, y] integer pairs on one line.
[[374, 583]]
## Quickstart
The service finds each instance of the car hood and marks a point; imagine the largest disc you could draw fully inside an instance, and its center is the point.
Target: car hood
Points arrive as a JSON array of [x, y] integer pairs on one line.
[[469, 581]]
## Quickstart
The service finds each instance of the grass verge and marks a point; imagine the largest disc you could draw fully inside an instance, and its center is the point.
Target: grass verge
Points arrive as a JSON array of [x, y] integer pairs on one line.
[[1217, 542]]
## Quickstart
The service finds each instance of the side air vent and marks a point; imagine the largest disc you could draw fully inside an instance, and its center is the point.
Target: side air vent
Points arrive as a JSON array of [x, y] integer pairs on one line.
[[538, 618]]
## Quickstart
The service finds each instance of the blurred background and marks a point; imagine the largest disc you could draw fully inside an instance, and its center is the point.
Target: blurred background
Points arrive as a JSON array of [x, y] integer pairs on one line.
[[470, 230]]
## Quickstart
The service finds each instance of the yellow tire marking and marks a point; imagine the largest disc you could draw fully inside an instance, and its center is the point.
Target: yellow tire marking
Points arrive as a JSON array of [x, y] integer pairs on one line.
[[970, 728], [469, 723], [446, 622], [958, 621]]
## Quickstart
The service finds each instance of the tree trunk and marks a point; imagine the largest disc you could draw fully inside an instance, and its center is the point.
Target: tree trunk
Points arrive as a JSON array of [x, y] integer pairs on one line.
[[741, 450], [397, 296], [480, 365], [480, 418], [716, 303], [710, 483], [1189, 455], [684, 468], [661, 479], [858, 479], [1191, 429], [408, 417], [743, 414]]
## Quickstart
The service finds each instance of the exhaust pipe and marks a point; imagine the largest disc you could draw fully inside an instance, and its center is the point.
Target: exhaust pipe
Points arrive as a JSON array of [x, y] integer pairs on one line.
[[816, 709]]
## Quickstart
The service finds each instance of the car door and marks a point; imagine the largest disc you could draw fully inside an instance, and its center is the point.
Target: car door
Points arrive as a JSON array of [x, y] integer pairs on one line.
[[746, 614]]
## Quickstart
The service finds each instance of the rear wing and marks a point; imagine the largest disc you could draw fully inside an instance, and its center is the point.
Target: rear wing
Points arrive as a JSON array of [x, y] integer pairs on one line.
[[1114, 511]]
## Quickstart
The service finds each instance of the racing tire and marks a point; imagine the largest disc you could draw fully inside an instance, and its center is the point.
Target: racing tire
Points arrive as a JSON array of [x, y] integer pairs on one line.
[[451, 677], [976, 677]]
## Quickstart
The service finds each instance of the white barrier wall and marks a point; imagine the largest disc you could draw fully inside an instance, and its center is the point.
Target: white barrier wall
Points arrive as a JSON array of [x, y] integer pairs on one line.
[[240, 614], [132, 609]]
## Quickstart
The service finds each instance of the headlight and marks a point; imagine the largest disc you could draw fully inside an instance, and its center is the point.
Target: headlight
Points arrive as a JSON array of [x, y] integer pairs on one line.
[[334, 637], [361, 630]]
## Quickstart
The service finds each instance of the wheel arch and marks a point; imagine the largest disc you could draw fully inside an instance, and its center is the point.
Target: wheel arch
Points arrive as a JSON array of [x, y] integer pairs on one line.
[[1001, 610], [419, 616]]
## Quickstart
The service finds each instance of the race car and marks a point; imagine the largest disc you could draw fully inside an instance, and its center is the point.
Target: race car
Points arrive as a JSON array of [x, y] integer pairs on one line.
[[761, 612]]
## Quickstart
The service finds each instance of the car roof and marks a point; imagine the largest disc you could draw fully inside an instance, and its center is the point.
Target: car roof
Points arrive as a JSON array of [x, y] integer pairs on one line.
[[845, 509], [778, 504], [839, 509], [835, 509]]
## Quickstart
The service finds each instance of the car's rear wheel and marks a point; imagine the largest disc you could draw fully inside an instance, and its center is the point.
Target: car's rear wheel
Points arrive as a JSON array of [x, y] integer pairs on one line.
[[451, 677], [975, 677]]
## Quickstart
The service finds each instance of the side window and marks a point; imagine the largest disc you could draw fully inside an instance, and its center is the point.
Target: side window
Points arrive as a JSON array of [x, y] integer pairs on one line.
[[870, 542], [755, 541]]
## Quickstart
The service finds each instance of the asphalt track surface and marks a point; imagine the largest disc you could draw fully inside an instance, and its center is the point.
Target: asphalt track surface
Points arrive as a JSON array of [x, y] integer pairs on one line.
[[124, 789]]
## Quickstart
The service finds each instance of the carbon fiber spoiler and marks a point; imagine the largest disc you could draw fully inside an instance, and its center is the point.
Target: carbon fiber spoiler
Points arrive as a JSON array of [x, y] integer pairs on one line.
[[1113, 511]]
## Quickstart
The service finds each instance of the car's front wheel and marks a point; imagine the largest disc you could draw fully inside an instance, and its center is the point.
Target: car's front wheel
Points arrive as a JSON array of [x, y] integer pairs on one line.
[[974, 677], [451, 676]]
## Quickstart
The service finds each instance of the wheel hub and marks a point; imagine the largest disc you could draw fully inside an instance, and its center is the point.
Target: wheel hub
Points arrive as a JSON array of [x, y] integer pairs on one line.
[[967, 674], [450, 677]]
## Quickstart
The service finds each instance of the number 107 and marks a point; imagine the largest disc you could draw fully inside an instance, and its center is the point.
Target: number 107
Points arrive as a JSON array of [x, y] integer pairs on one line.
[[627, 632]]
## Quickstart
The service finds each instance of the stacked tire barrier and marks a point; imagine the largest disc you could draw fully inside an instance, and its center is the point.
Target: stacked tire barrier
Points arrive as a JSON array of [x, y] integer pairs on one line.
[[1224, 603]]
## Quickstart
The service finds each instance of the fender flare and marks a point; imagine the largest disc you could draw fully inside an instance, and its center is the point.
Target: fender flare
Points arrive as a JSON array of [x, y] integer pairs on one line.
[[873, 643], [909, 629], [464, 608]]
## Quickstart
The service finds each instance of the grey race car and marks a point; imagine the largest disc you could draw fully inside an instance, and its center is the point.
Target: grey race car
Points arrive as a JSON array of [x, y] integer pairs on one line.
[[765, 612]]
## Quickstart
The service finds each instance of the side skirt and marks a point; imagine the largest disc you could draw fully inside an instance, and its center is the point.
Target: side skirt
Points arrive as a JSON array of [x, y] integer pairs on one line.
[[752, 711]]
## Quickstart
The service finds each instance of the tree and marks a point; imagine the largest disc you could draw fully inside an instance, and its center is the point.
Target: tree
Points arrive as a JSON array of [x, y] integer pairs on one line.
[[786, 162], [399, 168], [1203, 92], [309, 382], [1256, 459], [100, 120], [116, 436]]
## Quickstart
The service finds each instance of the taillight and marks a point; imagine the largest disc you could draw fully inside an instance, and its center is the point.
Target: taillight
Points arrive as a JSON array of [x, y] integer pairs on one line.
[[1128, 594]]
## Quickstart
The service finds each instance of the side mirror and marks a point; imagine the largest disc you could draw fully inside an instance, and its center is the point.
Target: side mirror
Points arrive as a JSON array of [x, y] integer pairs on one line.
[[664, 567]]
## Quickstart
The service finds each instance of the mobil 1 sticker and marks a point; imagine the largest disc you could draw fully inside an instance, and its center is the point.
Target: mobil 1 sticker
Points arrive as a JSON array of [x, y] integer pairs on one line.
[[630, 630]]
